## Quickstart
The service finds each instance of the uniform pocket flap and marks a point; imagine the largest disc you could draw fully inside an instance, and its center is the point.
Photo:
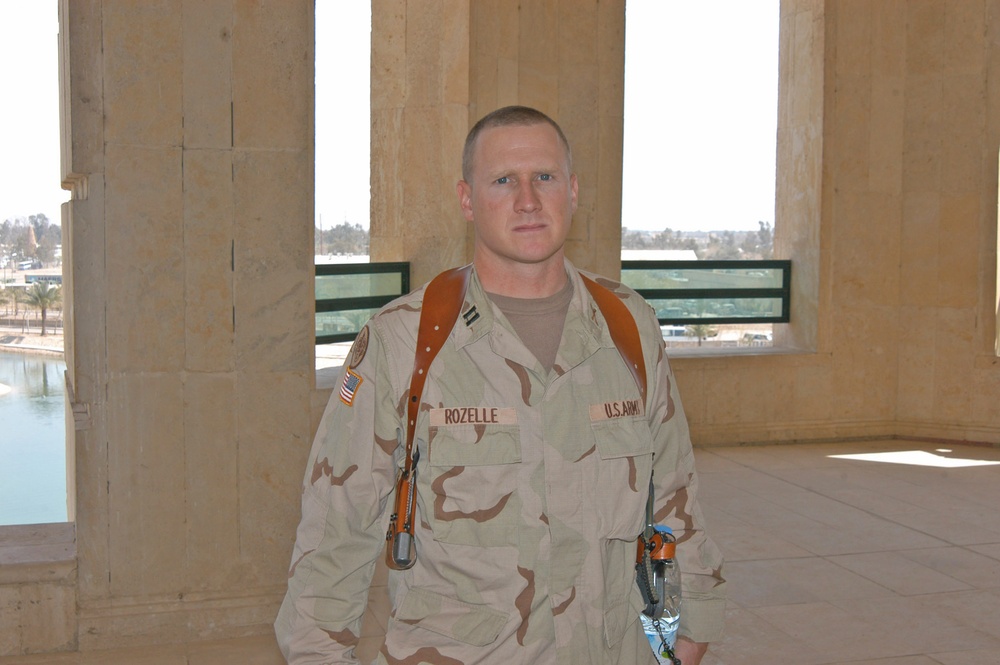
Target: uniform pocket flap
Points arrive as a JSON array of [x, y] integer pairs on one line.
[[472, 446], [626, 437], [477, 625]]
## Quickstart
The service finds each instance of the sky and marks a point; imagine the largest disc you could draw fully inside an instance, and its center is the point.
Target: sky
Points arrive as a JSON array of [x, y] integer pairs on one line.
[[701, 87], [343, 49], [29, 110], [701, 109]]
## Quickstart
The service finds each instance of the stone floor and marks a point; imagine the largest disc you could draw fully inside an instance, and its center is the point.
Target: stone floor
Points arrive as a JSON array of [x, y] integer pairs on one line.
[[884, 552]]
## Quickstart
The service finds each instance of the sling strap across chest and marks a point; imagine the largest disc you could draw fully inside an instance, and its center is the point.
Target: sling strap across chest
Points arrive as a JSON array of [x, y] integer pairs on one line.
[[443, 300]]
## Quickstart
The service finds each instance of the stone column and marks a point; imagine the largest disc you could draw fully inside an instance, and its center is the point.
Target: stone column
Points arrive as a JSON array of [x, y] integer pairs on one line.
[[419, 101], [567, 59], [189, 145]]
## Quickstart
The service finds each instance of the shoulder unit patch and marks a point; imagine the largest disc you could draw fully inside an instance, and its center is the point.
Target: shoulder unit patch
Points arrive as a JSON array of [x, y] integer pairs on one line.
[[359, 348]]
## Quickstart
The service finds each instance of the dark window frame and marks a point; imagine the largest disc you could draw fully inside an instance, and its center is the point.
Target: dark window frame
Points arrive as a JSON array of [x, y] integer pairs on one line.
[[366, 302], [783, 292], [403, 269]]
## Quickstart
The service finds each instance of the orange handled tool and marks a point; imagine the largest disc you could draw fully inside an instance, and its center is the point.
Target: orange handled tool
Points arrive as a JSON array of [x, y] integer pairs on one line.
[[401, 552]]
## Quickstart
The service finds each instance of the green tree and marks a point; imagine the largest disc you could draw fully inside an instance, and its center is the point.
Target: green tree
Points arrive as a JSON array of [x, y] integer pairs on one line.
[[6, 233], [47, 244], [39, 224], [43, 296], [671, 239], [13, 296], [721, 246], [634, 239], [6, 296], [702, 331], [344, 238], [758, 244], [765, 240], [22, 240]]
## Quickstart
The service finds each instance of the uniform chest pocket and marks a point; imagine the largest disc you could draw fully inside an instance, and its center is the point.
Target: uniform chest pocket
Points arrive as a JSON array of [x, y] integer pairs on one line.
[[620, 477], [472, 477]]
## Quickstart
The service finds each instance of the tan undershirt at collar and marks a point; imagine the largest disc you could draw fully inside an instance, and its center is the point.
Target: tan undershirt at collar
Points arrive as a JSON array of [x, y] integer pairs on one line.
[[538, 322]]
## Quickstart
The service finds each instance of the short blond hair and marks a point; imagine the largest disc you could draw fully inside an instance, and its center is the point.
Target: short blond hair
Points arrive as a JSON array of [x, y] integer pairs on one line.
[[506, 117]]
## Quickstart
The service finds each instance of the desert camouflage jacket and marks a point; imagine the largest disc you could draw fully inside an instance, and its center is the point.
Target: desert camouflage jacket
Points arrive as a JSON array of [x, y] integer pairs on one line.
[[531, 492]]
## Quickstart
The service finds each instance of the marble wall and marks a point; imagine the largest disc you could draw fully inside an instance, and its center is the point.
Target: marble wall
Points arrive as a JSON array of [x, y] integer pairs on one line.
[[440, 66], [887, 205], [190, 149]]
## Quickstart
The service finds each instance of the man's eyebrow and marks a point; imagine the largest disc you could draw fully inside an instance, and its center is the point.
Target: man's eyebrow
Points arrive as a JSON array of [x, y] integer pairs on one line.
[[551, 168], [506, 172]]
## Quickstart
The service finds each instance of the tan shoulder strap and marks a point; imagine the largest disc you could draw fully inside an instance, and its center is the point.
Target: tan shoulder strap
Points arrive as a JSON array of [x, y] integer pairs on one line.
[[443, 298], [624, 333]]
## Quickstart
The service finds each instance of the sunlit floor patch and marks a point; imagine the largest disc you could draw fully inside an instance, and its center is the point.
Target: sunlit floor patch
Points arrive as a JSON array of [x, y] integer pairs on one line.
[[918, 458]]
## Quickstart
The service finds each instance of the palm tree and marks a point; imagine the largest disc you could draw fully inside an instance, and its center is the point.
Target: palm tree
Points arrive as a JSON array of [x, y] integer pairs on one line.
[[701, 331], [43, 295], [15, 297]]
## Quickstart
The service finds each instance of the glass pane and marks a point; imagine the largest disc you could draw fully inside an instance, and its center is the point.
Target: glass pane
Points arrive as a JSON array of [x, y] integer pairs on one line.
[[717, 308], [358, 286], [718, 335], [751, 277], [347, 321]]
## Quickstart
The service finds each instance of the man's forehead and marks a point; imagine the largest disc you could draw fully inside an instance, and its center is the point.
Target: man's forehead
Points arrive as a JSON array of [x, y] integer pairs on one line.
[[539, 132], [517, 142]]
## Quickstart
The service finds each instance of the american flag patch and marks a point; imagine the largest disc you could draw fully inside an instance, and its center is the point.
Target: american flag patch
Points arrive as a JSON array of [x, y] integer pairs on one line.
[[349, 387]]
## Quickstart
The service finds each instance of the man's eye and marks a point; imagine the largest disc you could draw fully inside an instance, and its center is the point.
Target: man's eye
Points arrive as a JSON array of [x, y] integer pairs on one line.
[[502, 181], [545, 176]]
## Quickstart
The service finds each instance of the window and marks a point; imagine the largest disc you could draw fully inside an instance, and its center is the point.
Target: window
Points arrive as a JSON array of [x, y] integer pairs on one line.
[[348, 294], [343, 161], [343, 119], [701, 104], [701, 109], [33, 439], [996, 293]]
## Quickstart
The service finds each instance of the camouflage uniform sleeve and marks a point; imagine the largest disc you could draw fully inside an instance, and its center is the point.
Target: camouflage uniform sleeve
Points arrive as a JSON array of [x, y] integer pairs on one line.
[[675, 481], [348, 480]]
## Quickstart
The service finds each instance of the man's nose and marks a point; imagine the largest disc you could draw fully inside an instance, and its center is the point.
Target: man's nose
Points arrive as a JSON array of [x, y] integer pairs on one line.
[[527, 199]]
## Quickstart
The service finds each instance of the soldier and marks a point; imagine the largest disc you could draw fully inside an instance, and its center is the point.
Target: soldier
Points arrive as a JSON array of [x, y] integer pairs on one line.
[[532, 451]]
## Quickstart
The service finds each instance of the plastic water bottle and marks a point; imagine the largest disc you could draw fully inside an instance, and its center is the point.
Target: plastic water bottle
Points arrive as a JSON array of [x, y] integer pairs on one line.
[[669, 631], [662, 632]]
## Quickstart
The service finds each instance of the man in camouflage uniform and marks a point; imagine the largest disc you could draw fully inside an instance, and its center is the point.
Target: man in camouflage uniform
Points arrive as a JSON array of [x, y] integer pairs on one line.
[[535, 453]]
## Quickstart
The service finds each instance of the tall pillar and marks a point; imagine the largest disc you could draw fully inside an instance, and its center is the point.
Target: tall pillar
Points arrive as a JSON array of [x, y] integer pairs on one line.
[[188, 135], [419, 102], [439, 67]]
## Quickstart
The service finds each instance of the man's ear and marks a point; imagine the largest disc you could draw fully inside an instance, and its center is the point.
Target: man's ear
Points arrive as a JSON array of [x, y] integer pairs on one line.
[[574, 187], [464, 190]]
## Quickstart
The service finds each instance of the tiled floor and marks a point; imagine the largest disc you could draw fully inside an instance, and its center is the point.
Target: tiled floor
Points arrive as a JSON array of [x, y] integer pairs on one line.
[[893, 560]]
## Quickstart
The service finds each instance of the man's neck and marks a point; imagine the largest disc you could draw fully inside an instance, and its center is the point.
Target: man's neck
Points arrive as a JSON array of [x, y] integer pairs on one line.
[[521, 280]]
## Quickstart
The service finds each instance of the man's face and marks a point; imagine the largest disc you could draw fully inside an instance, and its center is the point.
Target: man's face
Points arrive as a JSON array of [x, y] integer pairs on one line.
[[521, 197]]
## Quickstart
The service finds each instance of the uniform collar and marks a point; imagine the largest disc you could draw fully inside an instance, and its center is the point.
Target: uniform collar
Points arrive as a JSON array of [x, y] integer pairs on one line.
[[584, 332]]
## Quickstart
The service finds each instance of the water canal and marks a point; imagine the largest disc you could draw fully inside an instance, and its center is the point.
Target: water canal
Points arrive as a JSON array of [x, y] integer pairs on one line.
[[32, 439]]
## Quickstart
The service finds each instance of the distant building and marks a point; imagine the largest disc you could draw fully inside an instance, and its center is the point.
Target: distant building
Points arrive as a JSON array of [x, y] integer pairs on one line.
[[341, 258], [659, 255]]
